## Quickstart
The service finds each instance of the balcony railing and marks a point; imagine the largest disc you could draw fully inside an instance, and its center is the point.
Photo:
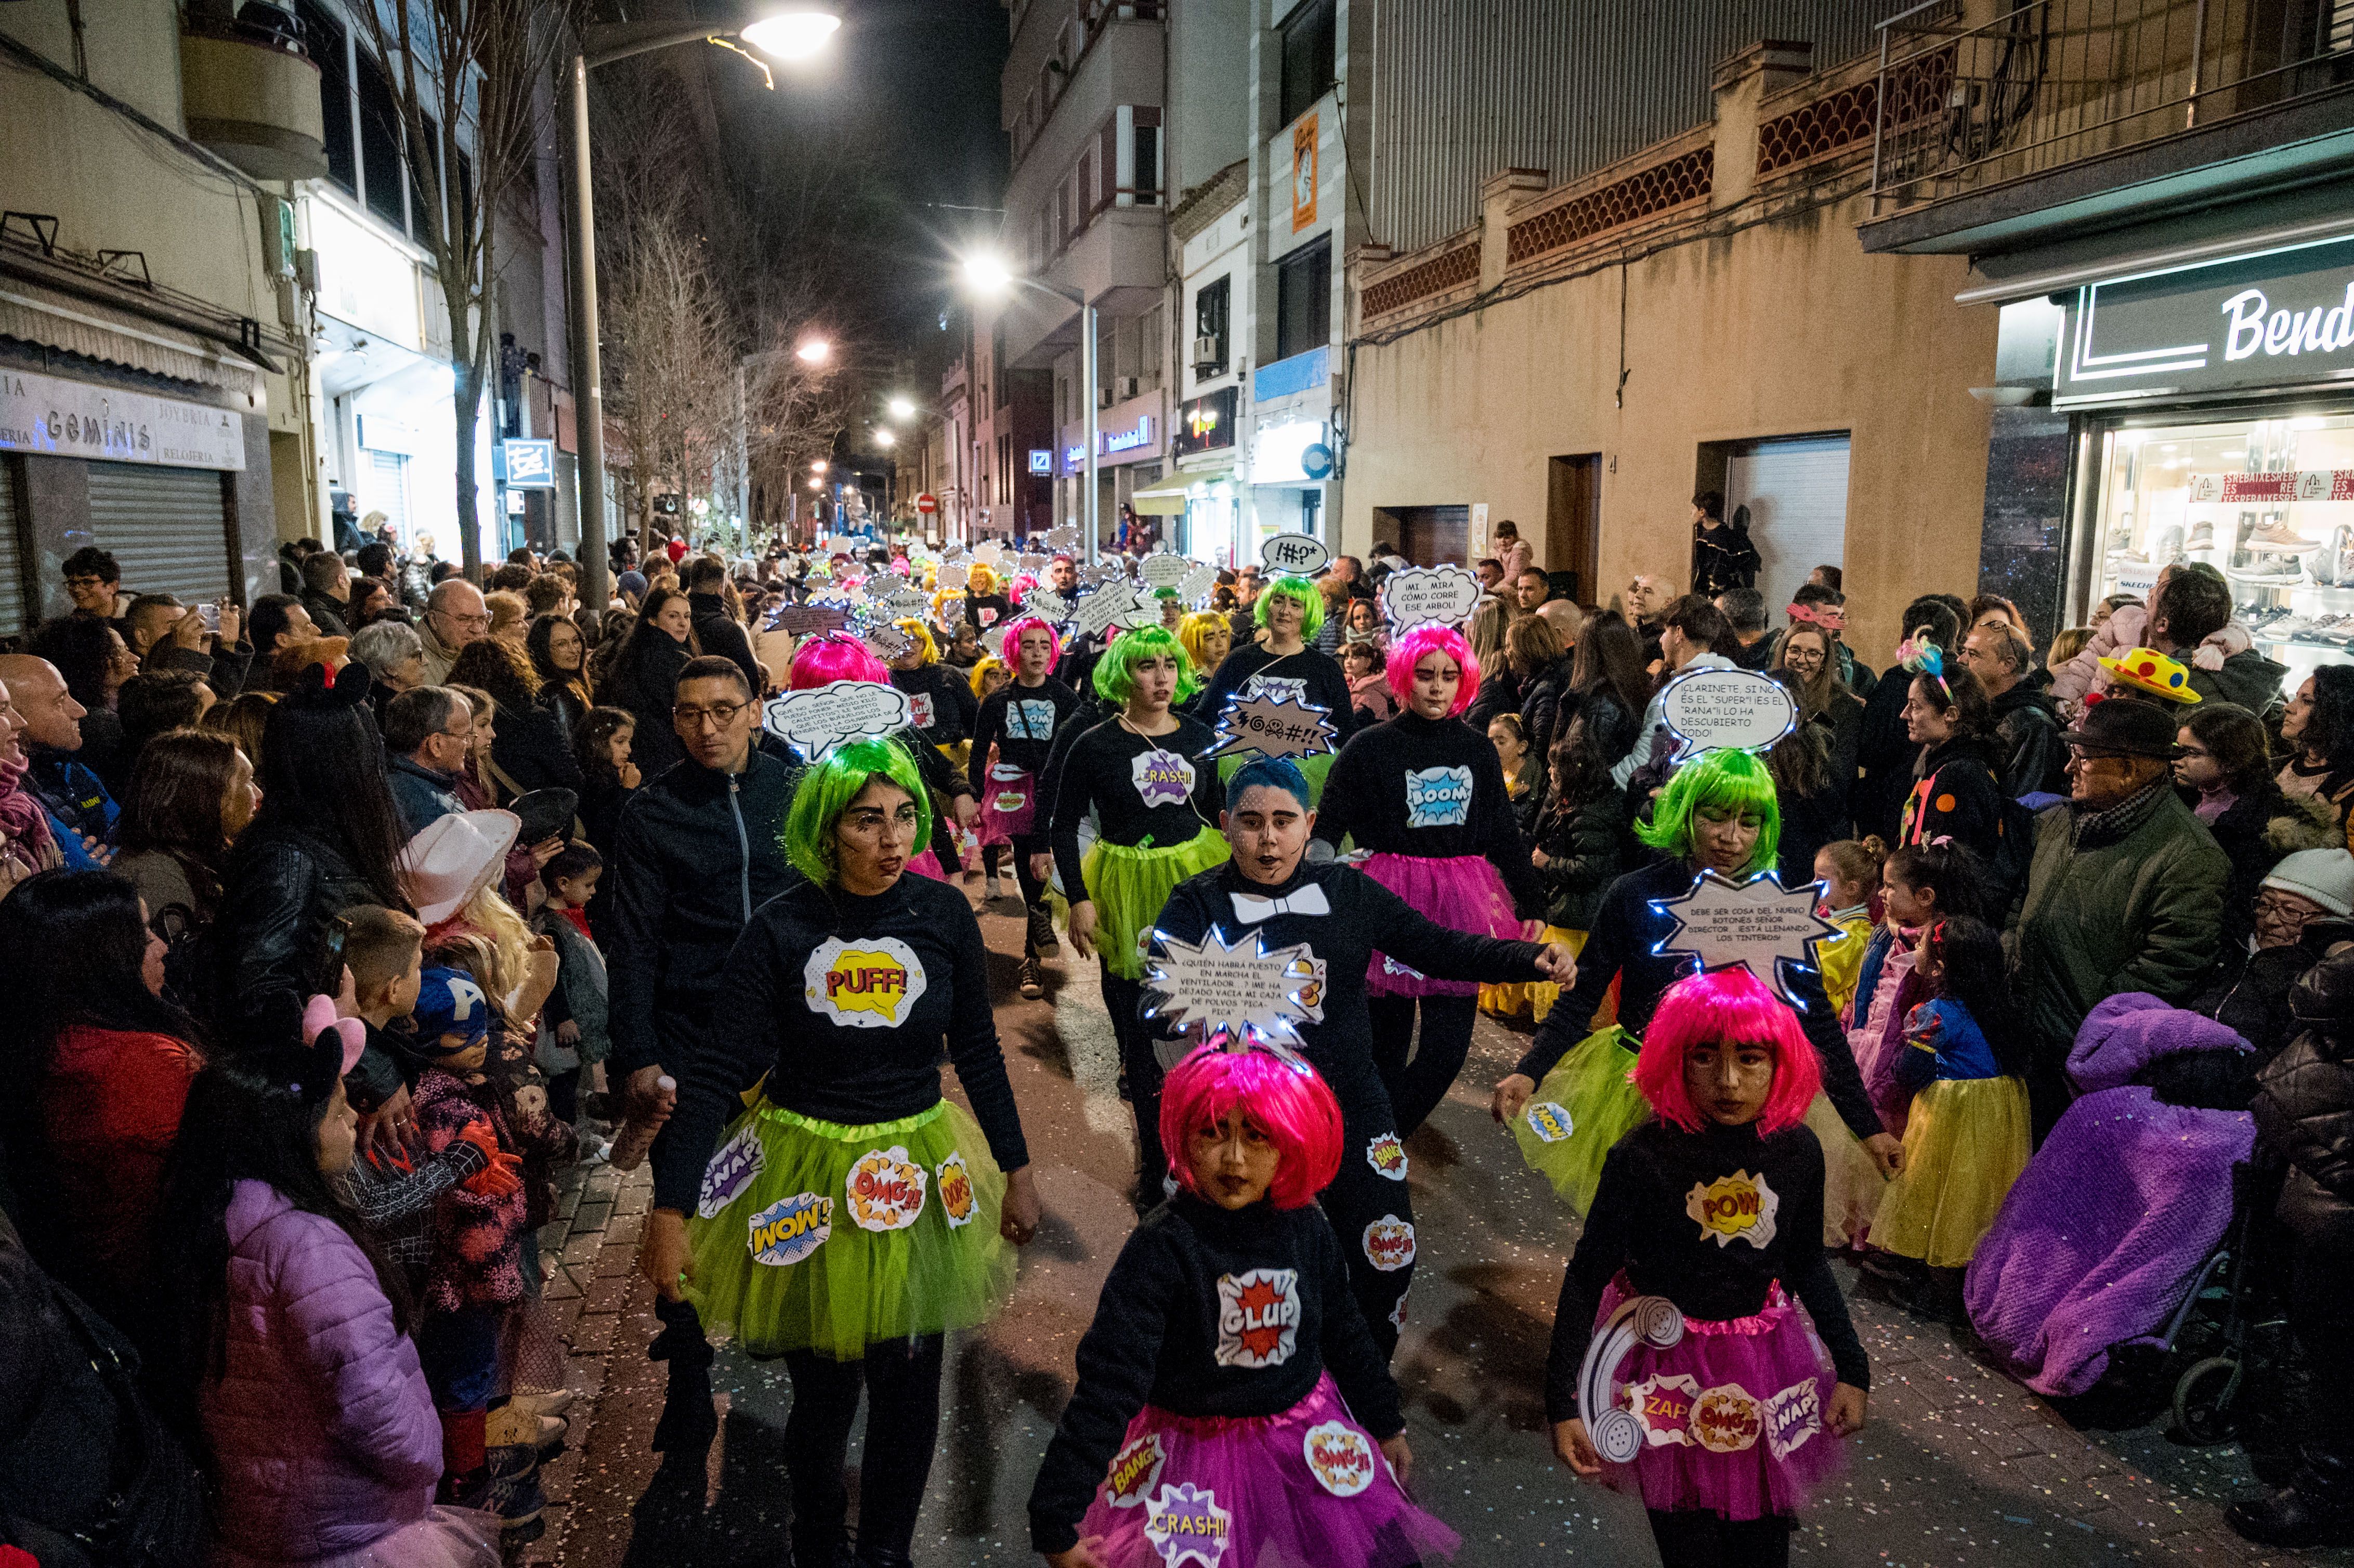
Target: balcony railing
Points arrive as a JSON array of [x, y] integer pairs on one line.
[[2048, 83]]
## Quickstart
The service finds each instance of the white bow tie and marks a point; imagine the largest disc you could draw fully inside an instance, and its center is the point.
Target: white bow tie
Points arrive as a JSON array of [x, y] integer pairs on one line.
[[1251, 908]]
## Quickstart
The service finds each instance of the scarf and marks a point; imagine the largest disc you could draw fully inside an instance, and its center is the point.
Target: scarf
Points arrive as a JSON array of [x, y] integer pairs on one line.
[[21, 820], [2095, 830]]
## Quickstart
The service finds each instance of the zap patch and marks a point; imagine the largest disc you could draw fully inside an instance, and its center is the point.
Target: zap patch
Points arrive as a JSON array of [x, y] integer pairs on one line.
[[1339, 1456], [1549, 1121], [1258, 1318], [1386, 1154], [886, 1191], [957, 1202], [1133, 1471], [730, 1171], [1389, 1243], [1738, 1206], [873, 983], [1662, 1407], [790, 1229], [1184, 1524]]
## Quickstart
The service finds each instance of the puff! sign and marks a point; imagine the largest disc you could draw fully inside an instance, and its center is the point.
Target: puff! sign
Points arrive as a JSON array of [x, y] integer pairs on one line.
[[873, 983], [885, 1189]]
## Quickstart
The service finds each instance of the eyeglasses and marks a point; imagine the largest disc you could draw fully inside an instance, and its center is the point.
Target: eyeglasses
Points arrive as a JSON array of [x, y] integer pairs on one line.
[[85, 582], [2287, 907], [482, 621], [464, 735], [721, 716]]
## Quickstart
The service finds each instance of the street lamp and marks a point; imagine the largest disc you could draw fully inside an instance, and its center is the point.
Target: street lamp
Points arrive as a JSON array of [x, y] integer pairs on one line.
[[902, 407], [988, 275], [814, 350], [788, 34], [883, 438]]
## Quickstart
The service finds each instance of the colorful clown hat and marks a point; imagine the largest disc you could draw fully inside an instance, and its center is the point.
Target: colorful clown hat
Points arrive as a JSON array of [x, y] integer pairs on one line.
[[2147, 670]]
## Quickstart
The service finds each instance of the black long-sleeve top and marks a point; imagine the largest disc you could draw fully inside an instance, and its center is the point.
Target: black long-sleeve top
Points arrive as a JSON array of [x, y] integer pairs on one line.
[[1763, 1198], [1022, 722], [1366, 917], [1619, 944], [1209, 1312], [1430, 787], [1309, 676], [944, 705], [847, 1003], [1105, 769]]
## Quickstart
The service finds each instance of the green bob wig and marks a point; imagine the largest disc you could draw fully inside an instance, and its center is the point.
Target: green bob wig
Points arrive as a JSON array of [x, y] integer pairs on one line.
[[1115, 671], [1735, 779], [829, 785], [1304, 590]]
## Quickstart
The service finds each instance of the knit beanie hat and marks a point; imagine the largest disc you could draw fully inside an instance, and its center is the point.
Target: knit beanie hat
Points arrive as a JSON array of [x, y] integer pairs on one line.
[[2324, 876], [450, 1003]]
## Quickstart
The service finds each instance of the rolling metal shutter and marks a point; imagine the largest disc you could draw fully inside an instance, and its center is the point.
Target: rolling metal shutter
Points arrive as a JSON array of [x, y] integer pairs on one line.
[[12, 555], [388, 490], [167, 527], [1797, 495]]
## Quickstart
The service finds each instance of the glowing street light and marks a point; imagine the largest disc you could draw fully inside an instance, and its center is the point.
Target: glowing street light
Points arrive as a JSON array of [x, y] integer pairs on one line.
[[883, 438], [814, 350], [902, 407], [819, 466], [791, 36], [817, 484], [987, 275]]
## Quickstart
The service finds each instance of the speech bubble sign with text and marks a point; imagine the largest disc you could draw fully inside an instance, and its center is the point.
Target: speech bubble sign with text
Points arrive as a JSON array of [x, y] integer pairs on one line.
[[1236, 989], [1427, 596], [1758, 923], [1726, 710], [1276, 727], [1163, 570], [813, 722], [1295, 555]]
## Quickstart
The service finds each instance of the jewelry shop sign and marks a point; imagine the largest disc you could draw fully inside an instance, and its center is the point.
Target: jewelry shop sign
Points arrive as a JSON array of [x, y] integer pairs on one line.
[[51, 416]]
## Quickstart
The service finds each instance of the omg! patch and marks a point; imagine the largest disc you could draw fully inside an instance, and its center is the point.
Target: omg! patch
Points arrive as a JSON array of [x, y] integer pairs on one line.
[[790, 1229], [1133, 1471], [1389, 1243], [1386, 1154], [730, 1171], [957, 1203], [1258, 1318], [886, 1191], [1184, 1524], [1549, 1121], [1339, 1456], [1739, 1206], [873, 983], [1662, 1407], [1725, 1420], [1792, 1416]]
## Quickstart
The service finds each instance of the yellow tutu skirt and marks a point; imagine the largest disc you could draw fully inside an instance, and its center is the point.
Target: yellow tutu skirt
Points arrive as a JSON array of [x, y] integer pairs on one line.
[[1841, 962], [1530, 1000], [1130, 882], [1964, 1143], [1852, 1185], [1585, 1105]]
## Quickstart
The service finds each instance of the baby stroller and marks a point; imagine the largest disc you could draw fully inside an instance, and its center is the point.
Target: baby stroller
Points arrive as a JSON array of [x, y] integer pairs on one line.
[[2121, 1231]]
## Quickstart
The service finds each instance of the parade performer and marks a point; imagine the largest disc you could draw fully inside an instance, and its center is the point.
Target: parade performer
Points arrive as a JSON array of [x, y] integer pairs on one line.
[[943, 705], [838, 656], [1425, 793], [1155, 810], [1718, 813], [1210, 1404], [1020, 720], [1336, 917], [851, 1214], [1290, 613], [1728, 1408]]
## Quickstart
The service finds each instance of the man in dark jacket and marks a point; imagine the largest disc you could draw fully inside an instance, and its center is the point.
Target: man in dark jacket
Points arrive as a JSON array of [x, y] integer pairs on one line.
[[81, 814], [327, 592], [2194, 605], [1721, 555], [716, 632], [428, 730], [2125, 893], [2026, 720]]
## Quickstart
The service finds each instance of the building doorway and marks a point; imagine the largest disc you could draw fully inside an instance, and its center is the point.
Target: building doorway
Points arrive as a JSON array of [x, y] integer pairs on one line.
[[1573, 525], [1427, 536], [1795, 492]]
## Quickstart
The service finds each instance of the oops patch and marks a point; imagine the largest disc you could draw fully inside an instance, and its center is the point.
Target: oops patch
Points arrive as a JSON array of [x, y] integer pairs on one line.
[[955, 1190], [1736, 1207], [1339, 1456], [1437, 796], [1258, 1318], [872, 983], [1162, 778], [730, 1171], [1389, 1243], [790, 1229], [885, 1190]]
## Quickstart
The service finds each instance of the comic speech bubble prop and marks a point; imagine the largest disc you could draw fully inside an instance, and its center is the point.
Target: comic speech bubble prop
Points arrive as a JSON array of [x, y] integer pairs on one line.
[[1758, 925], [884, 640], [953, 576], [802, 620], [1066, 538], [1295, 555], [1195, 586], [1276, 727], [990, 553], [1096, 613], [1427, 596], [1163, 570], [1047, 605], [906, 601], [813, 722], [1238, 989], [1727, 710]]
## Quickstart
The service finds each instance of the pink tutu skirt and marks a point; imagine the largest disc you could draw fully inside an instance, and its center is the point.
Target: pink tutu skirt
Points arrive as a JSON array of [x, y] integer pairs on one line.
[[1306, 1489], [442, 1537], [1462, 893], [1733, 1413], [1010, 805]]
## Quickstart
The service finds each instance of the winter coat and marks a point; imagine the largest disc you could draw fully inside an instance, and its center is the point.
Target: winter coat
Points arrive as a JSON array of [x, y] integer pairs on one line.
[[109, 1112], [1582, 858], [1843, 717], [1722, 557], [562, 699], [477, 1236], [327, 613], [528, 746], [323, 1432], [2247, 678], [2026, 734], [2129, 628], [77, 802], [2135, 912], [1884, 757], [1958, 796], [2256, 830], [425, 795], [719, 633], [578, 997], [1546, 708], [2304, 1108], [649, 689]]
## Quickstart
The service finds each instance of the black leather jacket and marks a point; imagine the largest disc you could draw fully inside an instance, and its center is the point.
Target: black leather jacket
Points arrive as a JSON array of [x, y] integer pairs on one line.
[[2305, 1105], [697, 852]]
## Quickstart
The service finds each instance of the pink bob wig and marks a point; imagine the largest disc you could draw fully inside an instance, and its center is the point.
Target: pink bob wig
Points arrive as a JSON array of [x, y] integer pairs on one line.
[[1725, 1005], [1008, 646], [834, 656], [1408, 651], [1284, 1100]]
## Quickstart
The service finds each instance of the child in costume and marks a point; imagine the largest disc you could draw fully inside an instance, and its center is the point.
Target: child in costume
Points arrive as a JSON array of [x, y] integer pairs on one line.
[[1849, 872], [1425, 793], [1570, 1098], [943, 703], [1919, 884], [1286, 661], [1012, 740], [1229, 1391], [1725, 1413], [1579, 839], [1966, 1140]]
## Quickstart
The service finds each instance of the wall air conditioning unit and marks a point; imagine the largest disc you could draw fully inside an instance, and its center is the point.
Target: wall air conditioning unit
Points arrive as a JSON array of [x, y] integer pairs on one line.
[[1123, 388], [1208, 360]]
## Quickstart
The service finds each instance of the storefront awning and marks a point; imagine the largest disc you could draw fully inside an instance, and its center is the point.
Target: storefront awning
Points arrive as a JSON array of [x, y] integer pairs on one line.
[[1168, 497]]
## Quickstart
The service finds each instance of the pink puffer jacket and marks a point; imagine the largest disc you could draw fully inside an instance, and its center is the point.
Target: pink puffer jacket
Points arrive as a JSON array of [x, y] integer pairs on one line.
[[322, 1431]]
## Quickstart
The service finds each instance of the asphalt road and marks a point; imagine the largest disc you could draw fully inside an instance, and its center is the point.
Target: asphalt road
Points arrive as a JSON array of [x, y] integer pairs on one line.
[[1958, 1466]]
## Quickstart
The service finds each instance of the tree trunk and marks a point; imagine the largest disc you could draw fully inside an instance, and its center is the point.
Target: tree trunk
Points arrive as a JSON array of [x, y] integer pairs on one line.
[[466, 402]]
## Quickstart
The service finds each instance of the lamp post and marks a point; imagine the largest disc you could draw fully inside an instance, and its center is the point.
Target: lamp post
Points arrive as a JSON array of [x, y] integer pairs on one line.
[[989, 276], [786, 36]]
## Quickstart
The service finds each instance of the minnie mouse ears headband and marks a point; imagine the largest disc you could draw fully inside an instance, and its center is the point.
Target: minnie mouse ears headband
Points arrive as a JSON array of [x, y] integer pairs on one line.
[[319, 690], [331, 1047]]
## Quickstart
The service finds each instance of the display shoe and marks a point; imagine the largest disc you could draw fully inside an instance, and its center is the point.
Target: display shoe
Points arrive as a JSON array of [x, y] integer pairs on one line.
[[2316, 1509], [2272, 569], [2277, 538], [1032, 979], [1041, 940], [555, 1403], [512, 1426], [2202, 537]]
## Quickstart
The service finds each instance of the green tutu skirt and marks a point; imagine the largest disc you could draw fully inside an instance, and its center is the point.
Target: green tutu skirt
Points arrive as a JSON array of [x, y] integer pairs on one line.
[[1130, 884], [1584, 1106], [1312, 769], [810, 1235]]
